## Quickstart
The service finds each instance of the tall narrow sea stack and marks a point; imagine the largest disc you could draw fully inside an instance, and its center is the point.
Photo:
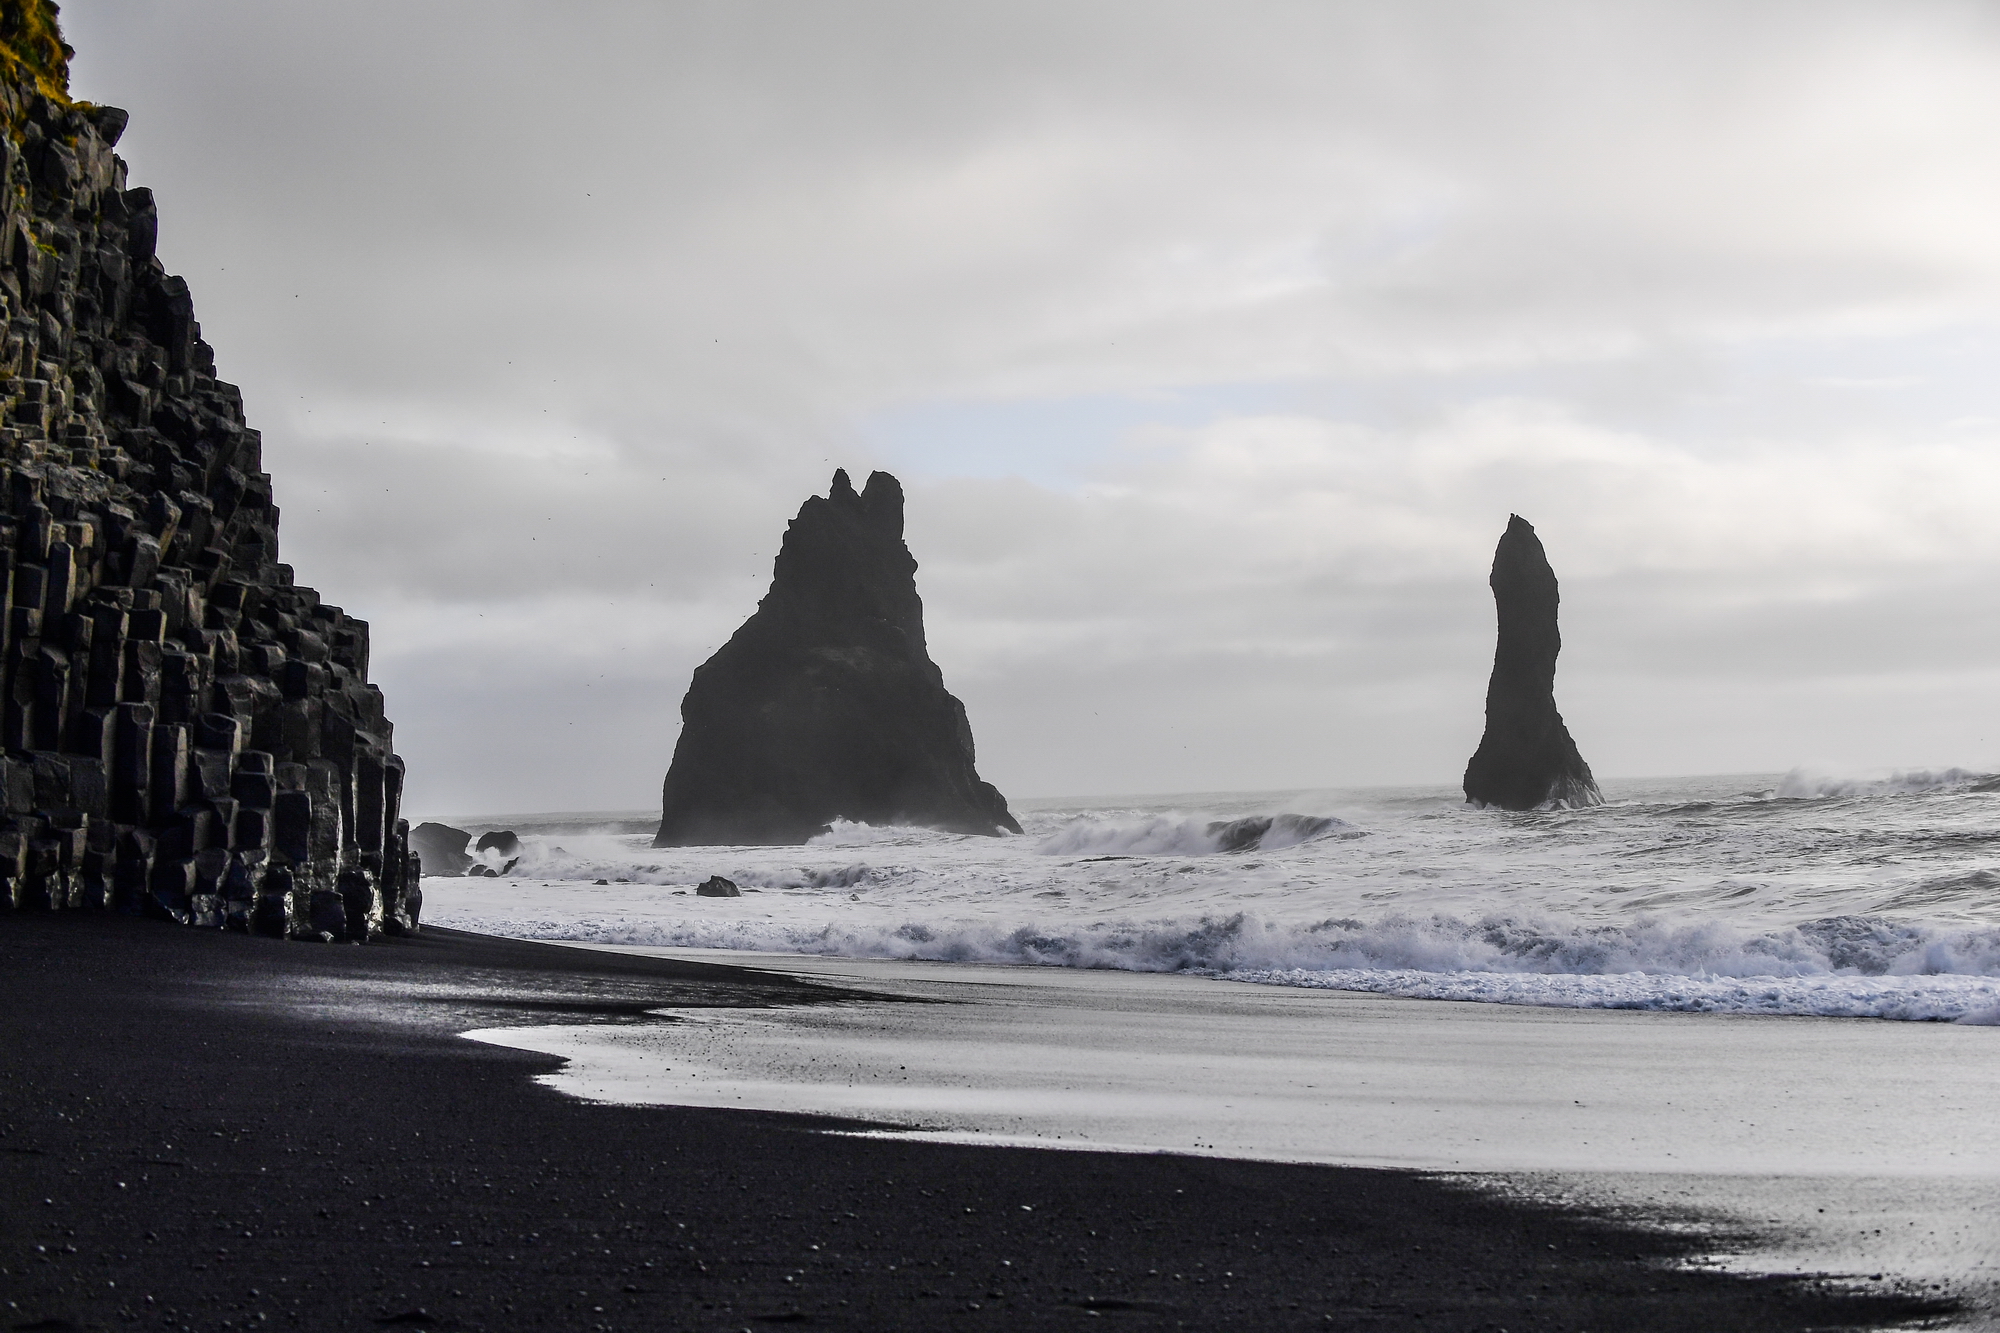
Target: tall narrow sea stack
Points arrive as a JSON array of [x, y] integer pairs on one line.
[[187, 733], [826, 705], [1526, 758]]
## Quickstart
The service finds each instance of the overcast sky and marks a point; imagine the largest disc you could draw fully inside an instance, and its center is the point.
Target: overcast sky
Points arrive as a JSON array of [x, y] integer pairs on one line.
[[1214, 344]]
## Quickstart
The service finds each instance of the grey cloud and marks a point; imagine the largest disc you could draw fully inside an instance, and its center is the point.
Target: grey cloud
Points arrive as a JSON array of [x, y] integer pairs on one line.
[[553, 315]]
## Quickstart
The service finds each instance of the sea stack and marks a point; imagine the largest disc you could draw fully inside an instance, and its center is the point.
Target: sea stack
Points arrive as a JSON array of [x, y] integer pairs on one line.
[[188, 733], [1526, 758], [826, 705]]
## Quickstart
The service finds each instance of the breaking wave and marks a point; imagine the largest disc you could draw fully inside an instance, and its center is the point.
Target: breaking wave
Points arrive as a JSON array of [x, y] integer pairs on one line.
[[1800, 893], [1182, 835], [1834, 967], [1804, 784]]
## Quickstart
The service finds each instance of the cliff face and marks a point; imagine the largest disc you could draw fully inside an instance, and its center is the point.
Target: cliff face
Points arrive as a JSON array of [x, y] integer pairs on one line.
[[826, 705], [1526, 758], [188, 733]]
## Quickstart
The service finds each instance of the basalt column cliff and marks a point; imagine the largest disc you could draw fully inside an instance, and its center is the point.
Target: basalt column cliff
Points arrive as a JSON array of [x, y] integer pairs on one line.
[[187, 733], [1526, 758], [826, 705]]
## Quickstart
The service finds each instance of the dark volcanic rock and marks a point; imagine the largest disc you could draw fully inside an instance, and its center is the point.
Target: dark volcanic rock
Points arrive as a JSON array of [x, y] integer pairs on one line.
[[826, 705], [1526, 758], [502, 841], [441, 848], [715, 886], [187, 732]]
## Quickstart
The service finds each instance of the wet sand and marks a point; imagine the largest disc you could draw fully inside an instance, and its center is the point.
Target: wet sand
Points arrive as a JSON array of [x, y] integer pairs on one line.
[[1813, 1145], [208, 1131], [1179, 1063]]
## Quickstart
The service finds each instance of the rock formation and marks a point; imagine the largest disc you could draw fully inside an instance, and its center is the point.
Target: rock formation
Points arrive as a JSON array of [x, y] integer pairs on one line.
[[503, 841], [826, 705], [441, 848], [188, 733], [1526, 758]]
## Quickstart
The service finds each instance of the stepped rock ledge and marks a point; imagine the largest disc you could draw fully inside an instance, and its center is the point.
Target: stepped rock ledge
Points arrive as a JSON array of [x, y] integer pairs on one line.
[[1526, 758], [187, 733], [825, 705]]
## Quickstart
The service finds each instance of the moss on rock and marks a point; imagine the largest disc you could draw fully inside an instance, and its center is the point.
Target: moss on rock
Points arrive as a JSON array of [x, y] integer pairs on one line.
[[32, 48]]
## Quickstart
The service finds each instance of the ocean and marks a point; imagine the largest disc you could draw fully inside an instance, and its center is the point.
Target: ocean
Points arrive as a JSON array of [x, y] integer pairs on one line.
[[1780, 894]]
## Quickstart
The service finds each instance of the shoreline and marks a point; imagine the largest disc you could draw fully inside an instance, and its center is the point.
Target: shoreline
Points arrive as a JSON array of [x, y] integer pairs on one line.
[[233, 1129], [1148, 1061]]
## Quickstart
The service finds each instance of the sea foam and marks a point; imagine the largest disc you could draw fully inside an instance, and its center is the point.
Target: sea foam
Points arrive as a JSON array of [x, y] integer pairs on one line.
[[1806, 784], [1796, 895]]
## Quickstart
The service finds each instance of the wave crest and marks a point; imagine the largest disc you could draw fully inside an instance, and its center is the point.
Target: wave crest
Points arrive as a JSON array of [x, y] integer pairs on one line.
[[1805, 785], [1838, 966], [1188, 835]]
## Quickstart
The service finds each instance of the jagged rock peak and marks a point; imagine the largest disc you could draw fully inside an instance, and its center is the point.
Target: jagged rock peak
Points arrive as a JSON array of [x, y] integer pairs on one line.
[[1526, 758], [825, 705], [187, 733], [843, 569]]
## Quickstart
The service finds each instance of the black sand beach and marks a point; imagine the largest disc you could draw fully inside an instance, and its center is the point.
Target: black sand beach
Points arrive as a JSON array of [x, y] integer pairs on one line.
[[204, 1131]]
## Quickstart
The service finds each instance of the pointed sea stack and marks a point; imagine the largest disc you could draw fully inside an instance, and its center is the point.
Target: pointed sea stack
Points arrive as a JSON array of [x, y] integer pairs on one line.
[[188, 733], [826, 705], [1526, 758]]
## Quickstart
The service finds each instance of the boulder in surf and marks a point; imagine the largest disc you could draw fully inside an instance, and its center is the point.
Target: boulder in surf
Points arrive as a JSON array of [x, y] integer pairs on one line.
[[1526, 758], [502, 841], [441, 848]]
